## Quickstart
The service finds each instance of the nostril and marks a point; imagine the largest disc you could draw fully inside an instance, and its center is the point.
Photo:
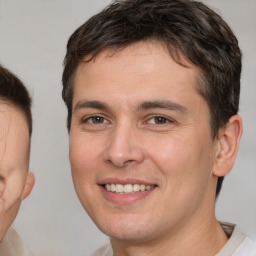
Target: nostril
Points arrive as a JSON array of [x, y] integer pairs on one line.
[[129, 163]]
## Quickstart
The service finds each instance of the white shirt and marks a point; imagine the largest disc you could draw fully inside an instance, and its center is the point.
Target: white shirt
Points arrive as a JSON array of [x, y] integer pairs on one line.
[[238, 244]]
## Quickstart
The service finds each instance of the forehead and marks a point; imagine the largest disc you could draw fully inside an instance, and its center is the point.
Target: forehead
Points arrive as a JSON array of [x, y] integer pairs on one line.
[[14, 132], [134, 69], [9, 111]]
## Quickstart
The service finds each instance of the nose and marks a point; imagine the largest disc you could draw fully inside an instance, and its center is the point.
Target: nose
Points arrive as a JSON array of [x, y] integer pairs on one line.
[[123, 148]]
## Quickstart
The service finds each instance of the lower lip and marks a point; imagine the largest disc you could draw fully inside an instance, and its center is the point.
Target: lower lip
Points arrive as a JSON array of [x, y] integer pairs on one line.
[[125, 198]]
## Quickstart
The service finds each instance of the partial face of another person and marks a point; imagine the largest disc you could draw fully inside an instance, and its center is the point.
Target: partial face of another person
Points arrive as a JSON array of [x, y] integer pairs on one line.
[[141, 151], [15, 181]]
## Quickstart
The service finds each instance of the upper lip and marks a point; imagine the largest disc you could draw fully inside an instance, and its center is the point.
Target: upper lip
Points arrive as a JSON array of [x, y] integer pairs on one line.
[[125, 181]]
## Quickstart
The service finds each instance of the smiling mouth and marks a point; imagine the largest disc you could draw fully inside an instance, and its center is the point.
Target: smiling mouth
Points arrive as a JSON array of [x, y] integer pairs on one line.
[[127, 188]]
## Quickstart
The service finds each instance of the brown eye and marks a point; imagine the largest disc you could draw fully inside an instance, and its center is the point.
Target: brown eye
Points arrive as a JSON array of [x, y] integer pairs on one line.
[[159, 120], [96, 120]]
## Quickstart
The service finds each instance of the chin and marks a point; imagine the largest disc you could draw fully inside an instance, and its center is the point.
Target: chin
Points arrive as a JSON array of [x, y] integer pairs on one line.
[[132, 236], [131, 230]]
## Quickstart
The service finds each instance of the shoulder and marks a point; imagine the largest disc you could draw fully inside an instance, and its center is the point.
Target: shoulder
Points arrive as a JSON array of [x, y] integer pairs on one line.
[[105, 250]]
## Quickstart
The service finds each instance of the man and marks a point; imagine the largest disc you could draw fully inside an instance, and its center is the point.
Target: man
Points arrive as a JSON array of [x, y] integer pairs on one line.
[[15, 181], [152, 90]]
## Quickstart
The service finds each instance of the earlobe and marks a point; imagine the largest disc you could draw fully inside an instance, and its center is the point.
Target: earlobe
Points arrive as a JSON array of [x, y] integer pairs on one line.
[[30, 181], [228, 142]]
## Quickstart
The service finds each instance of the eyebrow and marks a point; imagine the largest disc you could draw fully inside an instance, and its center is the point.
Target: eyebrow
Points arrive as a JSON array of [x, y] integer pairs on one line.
[[166, 104], [90, 104], [146, 105]]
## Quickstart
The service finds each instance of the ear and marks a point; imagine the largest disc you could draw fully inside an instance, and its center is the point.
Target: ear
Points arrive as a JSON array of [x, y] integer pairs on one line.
[[228, 142], [30, 181]]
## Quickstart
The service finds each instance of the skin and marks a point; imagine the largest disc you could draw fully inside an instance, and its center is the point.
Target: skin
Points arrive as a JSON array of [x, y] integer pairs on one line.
[[15, 181], [137, 118]]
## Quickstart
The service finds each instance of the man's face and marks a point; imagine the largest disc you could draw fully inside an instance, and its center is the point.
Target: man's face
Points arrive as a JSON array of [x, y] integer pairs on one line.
[[14, 161], [139, 122]]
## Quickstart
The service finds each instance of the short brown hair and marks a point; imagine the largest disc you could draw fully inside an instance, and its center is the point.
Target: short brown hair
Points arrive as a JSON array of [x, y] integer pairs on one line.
[[13, 90]]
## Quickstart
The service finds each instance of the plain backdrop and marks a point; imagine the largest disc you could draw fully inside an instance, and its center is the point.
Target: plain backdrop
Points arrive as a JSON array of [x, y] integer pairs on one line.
[[33, 37]]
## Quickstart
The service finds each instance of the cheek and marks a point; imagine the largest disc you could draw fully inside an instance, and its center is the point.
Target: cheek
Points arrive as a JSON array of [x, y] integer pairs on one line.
[[84, 155], [182, 160], [169, 154], [80, 150], [185, 169], [13, 188]]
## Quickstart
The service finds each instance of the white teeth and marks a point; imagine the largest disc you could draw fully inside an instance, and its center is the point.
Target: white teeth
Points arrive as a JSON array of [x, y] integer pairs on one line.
[[136, 187], [119, 188], [127, 188], [112, 188], [142, 187]]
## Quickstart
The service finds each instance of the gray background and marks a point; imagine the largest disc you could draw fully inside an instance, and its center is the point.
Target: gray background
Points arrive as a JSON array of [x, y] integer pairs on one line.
[[33, 36]]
